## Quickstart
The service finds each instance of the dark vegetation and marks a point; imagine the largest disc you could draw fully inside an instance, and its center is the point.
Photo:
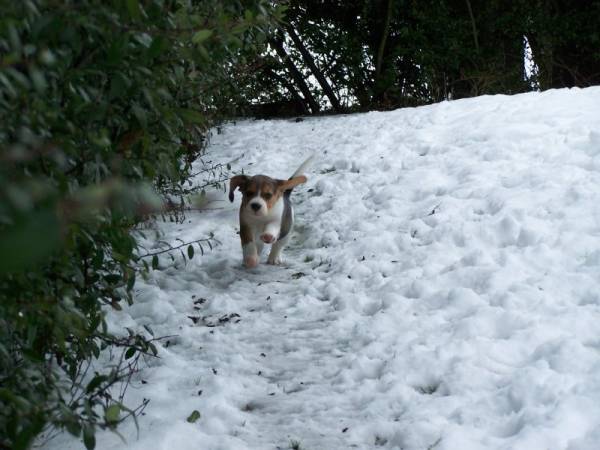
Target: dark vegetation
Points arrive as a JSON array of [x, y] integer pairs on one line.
[[357, 55], [105, 104], [103, 107]]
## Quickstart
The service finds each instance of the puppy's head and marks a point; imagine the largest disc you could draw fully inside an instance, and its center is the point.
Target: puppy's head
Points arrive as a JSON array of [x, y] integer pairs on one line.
[[261, 193]]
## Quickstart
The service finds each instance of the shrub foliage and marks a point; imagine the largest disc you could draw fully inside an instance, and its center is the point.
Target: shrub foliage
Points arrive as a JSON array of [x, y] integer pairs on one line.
[[103, 107]]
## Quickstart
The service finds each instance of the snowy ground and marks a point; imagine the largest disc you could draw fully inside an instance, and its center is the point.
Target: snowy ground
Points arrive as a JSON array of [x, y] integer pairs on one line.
[[441, 291]]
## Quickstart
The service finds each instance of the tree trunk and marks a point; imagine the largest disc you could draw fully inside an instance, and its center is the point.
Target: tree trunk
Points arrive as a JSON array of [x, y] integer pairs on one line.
[[388, 76], [384, 36], [310, 62], [290, 87], [473, 26], [296, 75]]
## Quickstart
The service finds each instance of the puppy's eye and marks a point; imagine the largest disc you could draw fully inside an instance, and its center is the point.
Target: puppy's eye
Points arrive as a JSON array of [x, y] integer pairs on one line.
[[267, 196]]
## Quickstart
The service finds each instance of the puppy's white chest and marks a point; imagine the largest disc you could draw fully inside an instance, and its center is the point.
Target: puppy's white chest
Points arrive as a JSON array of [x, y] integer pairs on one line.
[[273, 216]]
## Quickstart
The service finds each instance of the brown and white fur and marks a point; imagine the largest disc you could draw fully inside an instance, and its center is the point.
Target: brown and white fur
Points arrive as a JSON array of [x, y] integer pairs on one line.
[[266, 213]]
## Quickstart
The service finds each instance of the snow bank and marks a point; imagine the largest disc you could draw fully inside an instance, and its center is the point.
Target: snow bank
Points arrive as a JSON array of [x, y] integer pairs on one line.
[[442, 289]]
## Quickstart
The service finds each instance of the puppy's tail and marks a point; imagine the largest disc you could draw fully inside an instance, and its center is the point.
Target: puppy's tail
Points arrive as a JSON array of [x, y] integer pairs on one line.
[[300, 170]]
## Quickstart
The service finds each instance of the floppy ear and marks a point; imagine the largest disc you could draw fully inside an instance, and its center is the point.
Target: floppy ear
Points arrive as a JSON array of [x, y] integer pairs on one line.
[[239, 181], [292, 182]]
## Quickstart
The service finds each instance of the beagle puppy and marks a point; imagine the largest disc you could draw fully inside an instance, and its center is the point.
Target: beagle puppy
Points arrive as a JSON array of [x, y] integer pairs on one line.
[[266, 213]]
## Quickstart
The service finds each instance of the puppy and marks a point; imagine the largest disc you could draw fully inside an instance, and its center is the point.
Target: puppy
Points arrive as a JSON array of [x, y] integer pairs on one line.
[[266, 213]]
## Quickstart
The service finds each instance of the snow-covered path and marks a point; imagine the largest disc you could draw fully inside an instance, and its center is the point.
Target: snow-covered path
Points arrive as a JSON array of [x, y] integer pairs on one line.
[[442, 289]]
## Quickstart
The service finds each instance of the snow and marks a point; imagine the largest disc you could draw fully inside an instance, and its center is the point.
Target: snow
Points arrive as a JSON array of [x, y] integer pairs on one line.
[[441, 289]]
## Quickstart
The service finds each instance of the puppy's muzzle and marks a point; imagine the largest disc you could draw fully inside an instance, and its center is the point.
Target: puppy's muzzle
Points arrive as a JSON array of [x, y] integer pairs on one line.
[[255, 206]]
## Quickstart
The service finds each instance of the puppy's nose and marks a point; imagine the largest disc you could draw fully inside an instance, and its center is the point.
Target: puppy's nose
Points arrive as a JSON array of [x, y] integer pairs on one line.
[[255, 206]]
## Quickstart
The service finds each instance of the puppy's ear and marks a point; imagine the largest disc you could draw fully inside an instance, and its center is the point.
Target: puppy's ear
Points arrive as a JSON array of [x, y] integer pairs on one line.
[[239, 181], [292, 182]]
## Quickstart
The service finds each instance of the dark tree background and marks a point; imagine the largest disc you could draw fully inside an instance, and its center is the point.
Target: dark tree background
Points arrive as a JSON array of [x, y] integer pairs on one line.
[[382, 54]]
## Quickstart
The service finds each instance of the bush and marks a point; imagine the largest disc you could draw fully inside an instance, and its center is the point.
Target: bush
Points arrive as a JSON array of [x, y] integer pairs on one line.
[[103, 107]]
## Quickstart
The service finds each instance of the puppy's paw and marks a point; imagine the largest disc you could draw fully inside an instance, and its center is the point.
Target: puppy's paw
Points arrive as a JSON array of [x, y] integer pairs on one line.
[[274, 261], [267, 238], [251, 262]]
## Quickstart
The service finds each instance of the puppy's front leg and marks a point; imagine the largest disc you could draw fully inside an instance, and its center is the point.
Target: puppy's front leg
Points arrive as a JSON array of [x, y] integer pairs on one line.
[[271, 232], [248, 246], [275, 255]]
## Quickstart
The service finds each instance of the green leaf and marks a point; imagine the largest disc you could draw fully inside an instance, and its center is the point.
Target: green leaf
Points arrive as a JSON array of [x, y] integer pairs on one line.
[[155, 262], [130, 352], [119, 84], [112, 413], [190, 251], [191, 116], [117, 49], [203, 52], [157, 47], [31, 239], [38, 80], [73, 427], [239, 29], [141, 115], [194, 416], [95, 350], [133, 7], [89, 439], [96, 381], [130, 281], [201, 36], [149, 330]]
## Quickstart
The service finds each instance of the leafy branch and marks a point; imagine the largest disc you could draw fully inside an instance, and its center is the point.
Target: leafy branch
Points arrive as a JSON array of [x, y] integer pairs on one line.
[[190, 251]]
